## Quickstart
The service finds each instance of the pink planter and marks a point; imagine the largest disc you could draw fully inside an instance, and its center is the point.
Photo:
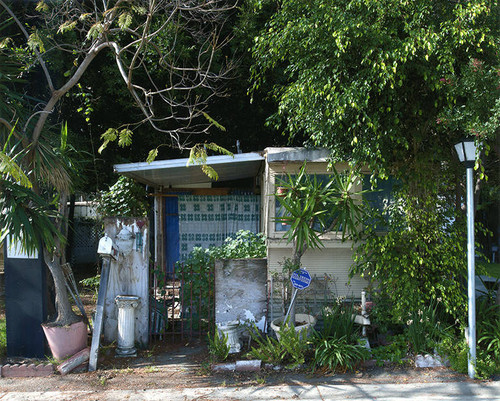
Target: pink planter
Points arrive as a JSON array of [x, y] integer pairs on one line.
[[66, 341]]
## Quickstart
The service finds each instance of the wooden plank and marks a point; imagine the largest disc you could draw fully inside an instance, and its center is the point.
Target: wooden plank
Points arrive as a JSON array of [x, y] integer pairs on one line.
[[101, 298]]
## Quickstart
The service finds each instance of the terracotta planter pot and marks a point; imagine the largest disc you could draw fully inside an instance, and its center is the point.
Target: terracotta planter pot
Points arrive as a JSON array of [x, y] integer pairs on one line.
[[66, 341], [303, 324]]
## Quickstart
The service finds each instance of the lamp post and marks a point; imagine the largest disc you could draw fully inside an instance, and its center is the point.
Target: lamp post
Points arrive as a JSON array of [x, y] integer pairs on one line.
[[466, 151]]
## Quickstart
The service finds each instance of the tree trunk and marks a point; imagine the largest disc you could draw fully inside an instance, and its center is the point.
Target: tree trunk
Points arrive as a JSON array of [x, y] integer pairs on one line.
[[65, 315], [64, 312]]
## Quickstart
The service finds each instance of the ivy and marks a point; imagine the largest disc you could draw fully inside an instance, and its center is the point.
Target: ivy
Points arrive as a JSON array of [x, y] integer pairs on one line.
[[125, 198]]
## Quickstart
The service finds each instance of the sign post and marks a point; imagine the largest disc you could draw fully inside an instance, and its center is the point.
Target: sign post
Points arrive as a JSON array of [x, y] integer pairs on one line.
[[300, 279]]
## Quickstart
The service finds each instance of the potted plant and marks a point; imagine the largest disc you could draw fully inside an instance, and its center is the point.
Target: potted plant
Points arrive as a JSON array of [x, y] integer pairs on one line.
[[312, 207]]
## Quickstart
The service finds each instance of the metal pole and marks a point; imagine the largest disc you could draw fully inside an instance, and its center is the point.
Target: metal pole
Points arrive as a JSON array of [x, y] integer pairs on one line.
[[471, 274]]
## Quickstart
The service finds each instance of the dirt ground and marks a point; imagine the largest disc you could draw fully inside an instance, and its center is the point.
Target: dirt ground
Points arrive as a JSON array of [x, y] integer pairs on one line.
[[181, 365], [166, 366]]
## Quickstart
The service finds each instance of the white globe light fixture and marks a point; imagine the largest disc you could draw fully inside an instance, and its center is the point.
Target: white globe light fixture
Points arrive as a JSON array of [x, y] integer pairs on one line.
[[466, 151]]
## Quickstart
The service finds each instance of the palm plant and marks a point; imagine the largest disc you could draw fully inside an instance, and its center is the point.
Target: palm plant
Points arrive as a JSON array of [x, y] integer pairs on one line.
[[312, 207], [28, 216], [35, 179]]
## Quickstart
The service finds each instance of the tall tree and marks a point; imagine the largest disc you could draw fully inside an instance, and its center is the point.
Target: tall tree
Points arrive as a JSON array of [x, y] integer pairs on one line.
[[370, 79], [166, 55]]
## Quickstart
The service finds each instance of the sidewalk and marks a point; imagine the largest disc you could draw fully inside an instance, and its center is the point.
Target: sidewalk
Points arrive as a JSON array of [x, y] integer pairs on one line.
[[359, 392]]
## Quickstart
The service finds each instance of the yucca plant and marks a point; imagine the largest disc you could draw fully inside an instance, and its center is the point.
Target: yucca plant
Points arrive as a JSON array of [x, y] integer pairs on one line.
[[312, 208]]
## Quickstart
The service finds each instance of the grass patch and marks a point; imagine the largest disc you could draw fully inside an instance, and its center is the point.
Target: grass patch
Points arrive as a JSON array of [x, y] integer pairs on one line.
[[3, 337], [492, 269]]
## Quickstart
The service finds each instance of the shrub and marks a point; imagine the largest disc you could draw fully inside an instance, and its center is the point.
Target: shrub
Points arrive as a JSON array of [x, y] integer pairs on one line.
[[456, 350], [488, 331], [338, 353], [336, 344], [291, 349], [338, 322], [244, 244], [195, 270], [93, 284], [419, 258]]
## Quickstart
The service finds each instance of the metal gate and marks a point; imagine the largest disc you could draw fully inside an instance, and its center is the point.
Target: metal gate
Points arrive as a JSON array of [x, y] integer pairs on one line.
[[182, 303]]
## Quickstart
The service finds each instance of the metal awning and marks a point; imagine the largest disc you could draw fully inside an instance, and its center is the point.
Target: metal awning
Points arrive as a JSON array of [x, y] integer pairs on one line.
[[176, 172]]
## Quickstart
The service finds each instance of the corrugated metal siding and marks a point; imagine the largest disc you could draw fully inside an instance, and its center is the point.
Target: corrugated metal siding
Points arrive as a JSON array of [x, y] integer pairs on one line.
[[334, 262]]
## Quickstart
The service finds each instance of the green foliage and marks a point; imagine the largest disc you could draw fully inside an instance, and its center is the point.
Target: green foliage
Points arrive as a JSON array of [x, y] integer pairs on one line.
[[196, 273], [312, 207], [478, 116], [218, 346], [336, 344], [125, 198], [456, 350], [92, 283], [490, 337], [424, 329], [198, 156], [394, 352], [420, 258], [364, 78], [195, 270], [488, 344], [339, 353], [338, 323], [491, 269], [27, 218], [488, 326], [244, 244], [9, 168], [290, 349]]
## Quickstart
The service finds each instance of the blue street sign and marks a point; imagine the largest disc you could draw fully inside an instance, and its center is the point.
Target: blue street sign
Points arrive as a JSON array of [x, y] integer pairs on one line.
[[300, 279]]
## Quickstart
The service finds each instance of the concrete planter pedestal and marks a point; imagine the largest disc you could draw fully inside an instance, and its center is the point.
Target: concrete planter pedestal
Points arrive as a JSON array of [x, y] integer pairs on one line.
[[231, 331], [303, 324], [126, 325]]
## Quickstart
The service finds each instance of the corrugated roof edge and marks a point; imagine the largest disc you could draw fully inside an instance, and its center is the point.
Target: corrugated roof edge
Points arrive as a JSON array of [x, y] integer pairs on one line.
[[296, 154]]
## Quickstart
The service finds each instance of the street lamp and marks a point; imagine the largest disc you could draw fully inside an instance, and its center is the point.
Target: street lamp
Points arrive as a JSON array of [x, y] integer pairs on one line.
[[466, 151]]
